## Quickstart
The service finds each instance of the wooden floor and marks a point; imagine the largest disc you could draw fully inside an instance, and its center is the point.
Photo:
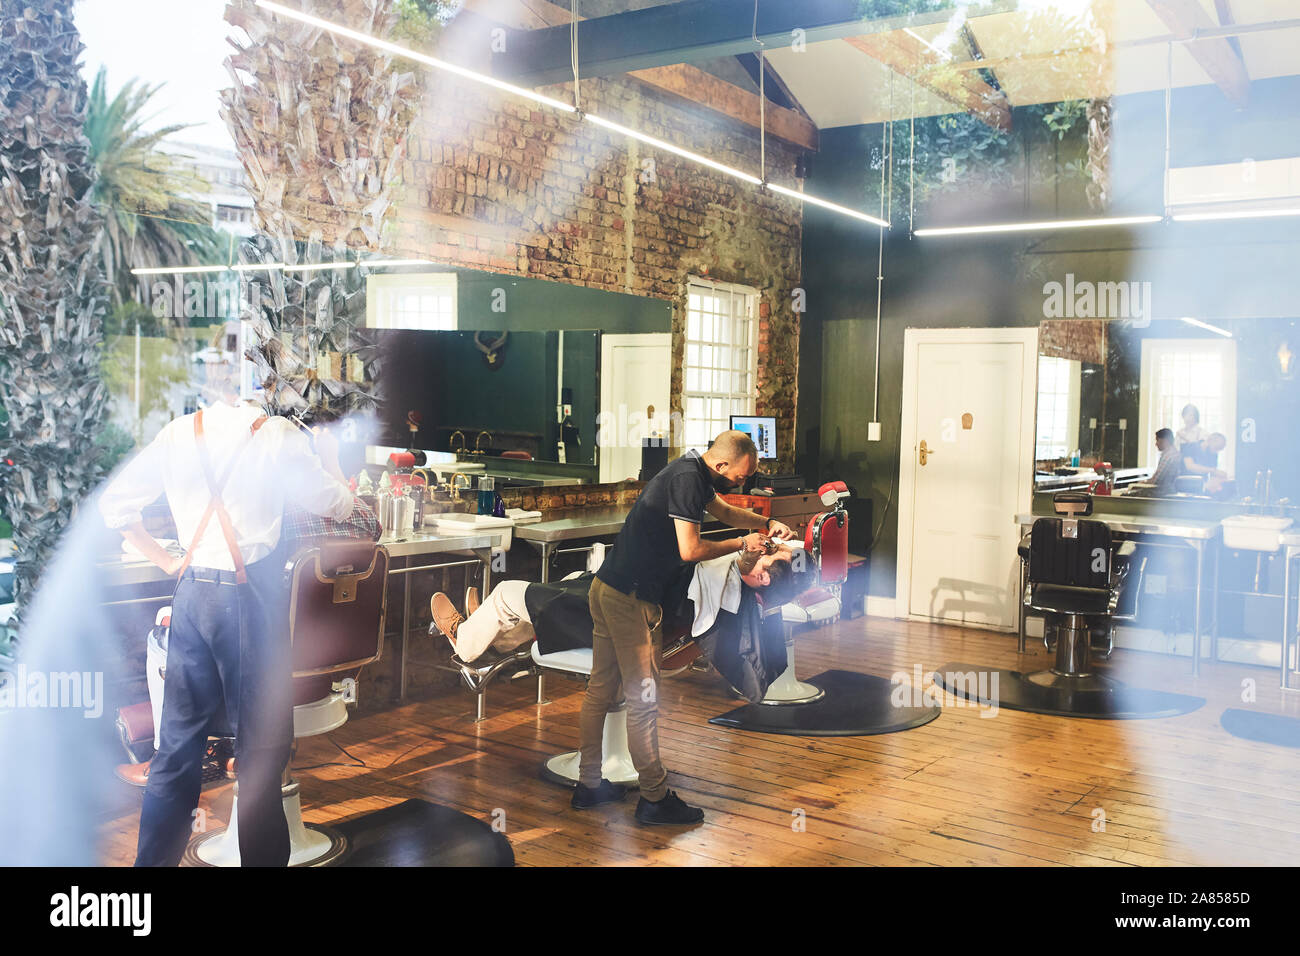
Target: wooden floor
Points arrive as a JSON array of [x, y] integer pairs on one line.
[[1011, 789]]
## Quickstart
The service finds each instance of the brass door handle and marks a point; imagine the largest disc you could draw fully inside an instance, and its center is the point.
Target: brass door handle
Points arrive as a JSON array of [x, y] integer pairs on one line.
[[925, 453]]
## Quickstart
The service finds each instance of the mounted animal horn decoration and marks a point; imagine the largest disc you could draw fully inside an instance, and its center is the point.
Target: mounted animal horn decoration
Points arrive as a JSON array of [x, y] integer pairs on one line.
[[494, 353]]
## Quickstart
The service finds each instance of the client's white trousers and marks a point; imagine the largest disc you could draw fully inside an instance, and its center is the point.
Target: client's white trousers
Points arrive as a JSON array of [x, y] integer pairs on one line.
[[502, 611]]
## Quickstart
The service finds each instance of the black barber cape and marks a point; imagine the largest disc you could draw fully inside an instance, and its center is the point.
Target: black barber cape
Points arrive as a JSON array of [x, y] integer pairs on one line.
[[748, 652]]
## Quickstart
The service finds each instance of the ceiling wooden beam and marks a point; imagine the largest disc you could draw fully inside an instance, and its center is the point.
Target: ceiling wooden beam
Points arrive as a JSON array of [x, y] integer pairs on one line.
[[707, 90], [681, 79], [1185, 18], [910, 57]]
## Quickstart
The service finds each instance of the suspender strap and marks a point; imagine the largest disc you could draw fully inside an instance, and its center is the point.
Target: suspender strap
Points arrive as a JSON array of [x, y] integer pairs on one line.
[[215, 506]]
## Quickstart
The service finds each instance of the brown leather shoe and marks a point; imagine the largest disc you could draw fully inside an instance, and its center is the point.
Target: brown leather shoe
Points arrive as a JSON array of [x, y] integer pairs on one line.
[[136, 774], [471, 601], [445, 616]]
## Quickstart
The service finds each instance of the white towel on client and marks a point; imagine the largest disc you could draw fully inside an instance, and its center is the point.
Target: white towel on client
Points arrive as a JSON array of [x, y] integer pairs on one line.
[[715, 586]]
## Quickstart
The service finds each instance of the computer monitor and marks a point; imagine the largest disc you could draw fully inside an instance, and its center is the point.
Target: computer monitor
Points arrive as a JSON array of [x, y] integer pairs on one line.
[[762, 429]]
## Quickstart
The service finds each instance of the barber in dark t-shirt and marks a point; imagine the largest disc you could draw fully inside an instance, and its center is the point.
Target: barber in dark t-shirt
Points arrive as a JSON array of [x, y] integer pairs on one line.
[[661, 533]]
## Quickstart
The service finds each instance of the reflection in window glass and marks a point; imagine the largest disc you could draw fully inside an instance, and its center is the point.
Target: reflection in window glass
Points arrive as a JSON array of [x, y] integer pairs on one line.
[[424, 301]]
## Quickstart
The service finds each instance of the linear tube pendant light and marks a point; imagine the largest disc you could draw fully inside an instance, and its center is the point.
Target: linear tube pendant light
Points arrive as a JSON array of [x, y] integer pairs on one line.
[[1039, 226], [281, 267], [326, 25]]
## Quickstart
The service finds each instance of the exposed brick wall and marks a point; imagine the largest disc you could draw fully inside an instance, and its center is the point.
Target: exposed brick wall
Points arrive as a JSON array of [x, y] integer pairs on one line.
[[573, 496], [1082, 340], [492, 183]]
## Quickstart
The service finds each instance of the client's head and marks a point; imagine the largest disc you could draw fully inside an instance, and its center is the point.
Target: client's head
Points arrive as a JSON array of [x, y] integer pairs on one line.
[[768, 569]]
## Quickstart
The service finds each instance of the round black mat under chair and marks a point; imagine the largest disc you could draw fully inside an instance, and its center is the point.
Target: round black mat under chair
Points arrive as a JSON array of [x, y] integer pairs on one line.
[[1266, 728], [420, 833], [853, 705], [411, 833], [1059, 695]]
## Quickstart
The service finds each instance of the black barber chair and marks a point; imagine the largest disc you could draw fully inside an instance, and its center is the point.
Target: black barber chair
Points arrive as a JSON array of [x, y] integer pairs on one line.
[[1083, 584]]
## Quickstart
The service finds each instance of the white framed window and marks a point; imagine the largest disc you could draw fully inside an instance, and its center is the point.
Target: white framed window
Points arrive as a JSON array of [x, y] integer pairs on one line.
[[1058, 408], [720, 371], [1181, 372], [411, 301]]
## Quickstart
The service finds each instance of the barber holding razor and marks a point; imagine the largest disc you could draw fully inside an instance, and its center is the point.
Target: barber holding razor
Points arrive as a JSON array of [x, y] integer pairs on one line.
[[661, 533], [227, 472]]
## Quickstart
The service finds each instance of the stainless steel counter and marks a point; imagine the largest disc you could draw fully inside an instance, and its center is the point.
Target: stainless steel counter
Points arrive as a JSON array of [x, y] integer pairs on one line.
[[574, 523], [1145, 524], [578, 524], [471, 548]]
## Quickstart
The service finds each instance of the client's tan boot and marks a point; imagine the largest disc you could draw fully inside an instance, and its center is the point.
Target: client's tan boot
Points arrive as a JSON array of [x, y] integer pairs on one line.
[[471, 601], [445, 616]]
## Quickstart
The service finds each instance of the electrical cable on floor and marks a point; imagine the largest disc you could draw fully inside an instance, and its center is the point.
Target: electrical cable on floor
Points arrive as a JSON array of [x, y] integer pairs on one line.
[[334, 763]]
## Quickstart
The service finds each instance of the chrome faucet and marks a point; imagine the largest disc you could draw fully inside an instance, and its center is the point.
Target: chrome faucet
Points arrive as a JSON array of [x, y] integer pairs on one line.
[[451, 442], [478, 440]]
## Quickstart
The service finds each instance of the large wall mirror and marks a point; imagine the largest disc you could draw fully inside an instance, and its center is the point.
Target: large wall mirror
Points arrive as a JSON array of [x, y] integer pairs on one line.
[[514, 373], [1216, 399]]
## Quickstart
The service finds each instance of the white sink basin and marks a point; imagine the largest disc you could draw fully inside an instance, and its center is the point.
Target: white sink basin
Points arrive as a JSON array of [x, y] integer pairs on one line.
[[1254, 532]]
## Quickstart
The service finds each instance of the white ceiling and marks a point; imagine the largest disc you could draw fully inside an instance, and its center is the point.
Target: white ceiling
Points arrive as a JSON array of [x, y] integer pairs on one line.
[[840, 85]]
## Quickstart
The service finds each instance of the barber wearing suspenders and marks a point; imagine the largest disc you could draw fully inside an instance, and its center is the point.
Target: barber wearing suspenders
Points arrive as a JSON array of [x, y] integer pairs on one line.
[[227, 472]]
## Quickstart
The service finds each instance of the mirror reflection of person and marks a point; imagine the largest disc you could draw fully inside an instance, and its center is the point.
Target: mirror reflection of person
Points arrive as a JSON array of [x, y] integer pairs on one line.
[[1170, 465], [1202, 458], [1191, 431]]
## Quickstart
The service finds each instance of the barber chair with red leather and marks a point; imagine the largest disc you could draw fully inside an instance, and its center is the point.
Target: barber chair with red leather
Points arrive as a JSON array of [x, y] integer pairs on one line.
[[826, 546], [835, 702], [337, 602]]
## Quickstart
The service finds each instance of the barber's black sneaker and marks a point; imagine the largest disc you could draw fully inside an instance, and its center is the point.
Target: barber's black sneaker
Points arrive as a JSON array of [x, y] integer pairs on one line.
[[584, 798], [670, 811]]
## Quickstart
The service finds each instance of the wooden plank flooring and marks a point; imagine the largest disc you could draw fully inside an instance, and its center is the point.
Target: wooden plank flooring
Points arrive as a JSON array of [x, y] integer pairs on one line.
[[967, 789]]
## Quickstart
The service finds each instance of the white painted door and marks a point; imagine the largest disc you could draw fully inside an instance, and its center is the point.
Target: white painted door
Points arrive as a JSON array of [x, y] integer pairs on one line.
[[971, 407], [635, 376]]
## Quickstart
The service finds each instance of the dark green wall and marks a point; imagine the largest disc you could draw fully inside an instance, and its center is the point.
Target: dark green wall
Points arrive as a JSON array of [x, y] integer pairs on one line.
[[1246, 270], [540, 305]]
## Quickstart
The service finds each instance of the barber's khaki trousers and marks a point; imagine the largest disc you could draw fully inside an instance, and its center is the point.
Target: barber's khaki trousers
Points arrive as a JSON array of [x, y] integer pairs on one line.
[[625, 649]]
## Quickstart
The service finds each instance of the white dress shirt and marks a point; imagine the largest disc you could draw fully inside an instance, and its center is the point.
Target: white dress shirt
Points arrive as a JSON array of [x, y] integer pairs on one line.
[[276, 466]]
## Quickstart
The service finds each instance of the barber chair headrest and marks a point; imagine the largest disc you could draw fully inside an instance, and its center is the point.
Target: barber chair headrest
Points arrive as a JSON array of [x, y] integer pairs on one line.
[[337, 604], [1072, 504], [832, 493]]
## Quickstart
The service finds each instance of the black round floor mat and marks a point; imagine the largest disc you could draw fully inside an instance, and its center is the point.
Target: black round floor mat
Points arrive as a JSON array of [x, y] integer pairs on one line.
[[419, 833], [855, 705], [1266, 728], [1014, 690]]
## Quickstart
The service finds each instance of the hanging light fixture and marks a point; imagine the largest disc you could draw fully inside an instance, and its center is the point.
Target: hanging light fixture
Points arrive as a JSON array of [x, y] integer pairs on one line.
[[1041, 225], [281, 267]]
